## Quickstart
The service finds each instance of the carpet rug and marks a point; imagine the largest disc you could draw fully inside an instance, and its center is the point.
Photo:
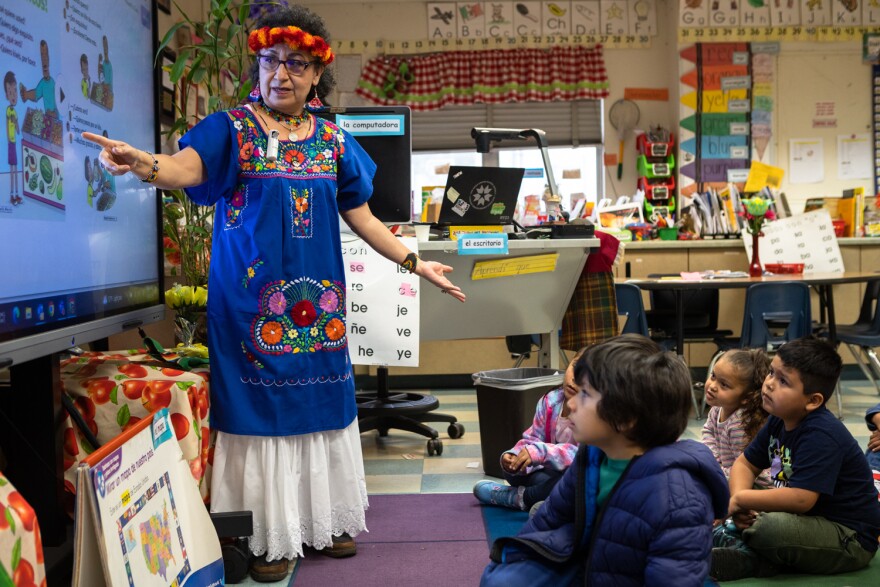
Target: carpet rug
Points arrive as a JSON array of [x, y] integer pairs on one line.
[[412, 540], [501, 522]]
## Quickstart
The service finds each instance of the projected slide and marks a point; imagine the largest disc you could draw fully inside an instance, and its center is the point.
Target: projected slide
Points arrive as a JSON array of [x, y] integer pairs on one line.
[[67, 225]]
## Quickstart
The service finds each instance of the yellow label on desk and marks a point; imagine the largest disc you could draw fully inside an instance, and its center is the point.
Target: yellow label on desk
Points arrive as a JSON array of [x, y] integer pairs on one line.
[[516, 266], [454, 231]]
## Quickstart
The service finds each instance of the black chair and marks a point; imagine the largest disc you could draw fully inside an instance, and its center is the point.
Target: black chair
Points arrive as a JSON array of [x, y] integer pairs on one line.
[[863, 336], [521, 346], [630, 305], [700, 316], [382, 410]]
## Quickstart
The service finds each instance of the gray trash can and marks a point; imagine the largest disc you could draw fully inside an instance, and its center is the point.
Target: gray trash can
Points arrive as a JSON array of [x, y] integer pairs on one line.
[[506, 400]]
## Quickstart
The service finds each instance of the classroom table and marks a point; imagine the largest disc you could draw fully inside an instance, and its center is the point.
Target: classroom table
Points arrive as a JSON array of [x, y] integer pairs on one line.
[[113, 390], [823, 282]]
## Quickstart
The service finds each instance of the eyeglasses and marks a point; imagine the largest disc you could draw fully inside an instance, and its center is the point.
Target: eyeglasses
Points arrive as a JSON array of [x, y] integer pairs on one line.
[[293, 66]]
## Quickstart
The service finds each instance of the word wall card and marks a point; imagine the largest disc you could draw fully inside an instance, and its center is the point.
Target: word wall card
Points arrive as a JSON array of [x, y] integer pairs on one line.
[[383, 306]]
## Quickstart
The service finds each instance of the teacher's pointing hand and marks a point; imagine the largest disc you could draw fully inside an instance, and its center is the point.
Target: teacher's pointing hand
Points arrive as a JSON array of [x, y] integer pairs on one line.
[[117, 157]]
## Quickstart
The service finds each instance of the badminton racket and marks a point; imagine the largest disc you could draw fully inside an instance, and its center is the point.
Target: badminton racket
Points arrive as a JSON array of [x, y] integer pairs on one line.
[[624, 116]]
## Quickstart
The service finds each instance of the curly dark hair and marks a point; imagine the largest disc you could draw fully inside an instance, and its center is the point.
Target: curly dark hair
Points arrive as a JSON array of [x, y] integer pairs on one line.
[[752, 367], [311, 23]]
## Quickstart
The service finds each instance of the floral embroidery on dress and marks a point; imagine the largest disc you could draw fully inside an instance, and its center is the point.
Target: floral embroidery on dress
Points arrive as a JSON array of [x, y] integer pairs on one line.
[[251, 358], [235, 206], [300, 316], [251, 271], [316, 156], [301, 213]]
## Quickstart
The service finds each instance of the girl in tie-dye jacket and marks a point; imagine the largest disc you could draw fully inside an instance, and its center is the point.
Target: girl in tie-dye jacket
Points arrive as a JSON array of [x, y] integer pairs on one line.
[[537, 462]]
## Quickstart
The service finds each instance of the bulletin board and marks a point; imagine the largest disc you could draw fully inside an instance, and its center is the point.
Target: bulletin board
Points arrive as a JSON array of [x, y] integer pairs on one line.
[[804, 238], [826, 93]]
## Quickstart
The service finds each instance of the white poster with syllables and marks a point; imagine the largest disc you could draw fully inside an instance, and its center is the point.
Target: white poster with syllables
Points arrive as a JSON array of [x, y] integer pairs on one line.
[[383, 306], [806, 238]]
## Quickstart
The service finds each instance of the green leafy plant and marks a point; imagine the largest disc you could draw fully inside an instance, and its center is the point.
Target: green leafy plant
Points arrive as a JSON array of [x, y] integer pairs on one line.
[[214, 63], [215, 60], [187, 228]]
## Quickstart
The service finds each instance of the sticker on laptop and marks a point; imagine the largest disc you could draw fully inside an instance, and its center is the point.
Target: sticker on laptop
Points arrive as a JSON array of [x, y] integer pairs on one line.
[[483, 195], [452, 194], [461, 207], [497, 209]]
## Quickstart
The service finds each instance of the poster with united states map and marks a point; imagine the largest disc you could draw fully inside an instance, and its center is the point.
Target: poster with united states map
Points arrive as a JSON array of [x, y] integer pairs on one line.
[[151, 524]]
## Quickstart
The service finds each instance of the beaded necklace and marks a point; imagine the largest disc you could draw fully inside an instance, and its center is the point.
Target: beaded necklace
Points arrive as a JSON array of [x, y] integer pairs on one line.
[[291, 123]]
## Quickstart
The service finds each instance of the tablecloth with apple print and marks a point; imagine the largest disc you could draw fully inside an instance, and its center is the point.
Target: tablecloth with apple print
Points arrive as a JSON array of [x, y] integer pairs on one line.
[[113, 390], [21, 550]]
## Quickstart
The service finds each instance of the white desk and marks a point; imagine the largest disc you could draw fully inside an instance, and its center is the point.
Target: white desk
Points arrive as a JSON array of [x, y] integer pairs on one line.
[[522, 304]]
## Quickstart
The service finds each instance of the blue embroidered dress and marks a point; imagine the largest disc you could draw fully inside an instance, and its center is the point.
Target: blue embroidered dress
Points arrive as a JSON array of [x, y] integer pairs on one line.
[[277, 304]]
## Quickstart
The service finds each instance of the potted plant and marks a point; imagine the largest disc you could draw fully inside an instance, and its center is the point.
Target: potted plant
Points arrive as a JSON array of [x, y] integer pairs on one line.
[[214, 61]]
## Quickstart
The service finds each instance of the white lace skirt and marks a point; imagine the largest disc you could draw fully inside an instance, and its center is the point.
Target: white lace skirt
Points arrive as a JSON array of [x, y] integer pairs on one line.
[[302, 489]]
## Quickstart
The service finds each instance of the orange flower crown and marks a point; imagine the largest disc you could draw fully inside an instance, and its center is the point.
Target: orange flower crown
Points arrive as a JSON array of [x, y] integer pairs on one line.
[[294, 37]]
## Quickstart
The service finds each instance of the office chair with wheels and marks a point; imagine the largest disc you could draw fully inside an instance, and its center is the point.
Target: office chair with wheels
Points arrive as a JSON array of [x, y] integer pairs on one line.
[[774, 313], [383, 410], [863, 336]]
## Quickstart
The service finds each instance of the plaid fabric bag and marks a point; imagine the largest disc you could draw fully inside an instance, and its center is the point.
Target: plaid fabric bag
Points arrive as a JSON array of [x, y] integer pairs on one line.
[[591, 316]]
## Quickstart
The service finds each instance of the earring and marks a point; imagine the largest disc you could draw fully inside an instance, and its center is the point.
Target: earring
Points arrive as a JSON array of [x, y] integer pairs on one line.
[[315, 103], [254, 96]]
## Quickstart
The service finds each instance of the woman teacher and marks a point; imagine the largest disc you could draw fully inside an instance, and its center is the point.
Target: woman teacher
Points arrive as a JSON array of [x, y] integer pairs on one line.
[[283, 401]]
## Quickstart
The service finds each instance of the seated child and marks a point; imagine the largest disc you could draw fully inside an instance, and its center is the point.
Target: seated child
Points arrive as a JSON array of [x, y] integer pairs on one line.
[[872, 417], [636, 507], [733, 389], [822, 516], [539, 459]]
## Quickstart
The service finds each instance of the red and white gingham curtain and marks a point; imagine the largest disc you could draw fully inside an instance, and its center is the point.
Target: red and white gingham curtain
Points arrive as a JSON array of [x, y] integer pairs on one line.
[[429, 82]]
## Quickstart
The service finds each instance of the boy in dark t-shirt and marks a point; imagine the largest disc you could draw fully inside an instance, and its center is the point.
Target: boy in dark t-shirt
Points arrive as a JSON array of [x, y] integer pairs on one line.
[[872, 418], [822, 516]]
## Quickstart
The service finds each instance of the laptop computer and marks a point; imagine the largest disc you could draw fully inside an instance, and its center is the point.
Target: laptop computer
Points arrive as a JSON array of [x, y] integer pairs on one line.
[[480, 195]]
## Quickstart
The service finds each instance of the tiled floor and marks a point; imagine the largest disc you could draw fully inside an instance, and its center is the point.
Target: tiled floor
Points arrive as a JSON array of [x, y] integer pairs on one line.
[[398, 463]]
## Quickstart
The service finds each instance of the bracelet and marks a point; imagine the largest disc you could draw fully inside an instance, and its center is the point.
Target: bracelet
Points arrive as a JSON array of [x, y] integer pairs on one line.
[[154, 171], [410, 262]]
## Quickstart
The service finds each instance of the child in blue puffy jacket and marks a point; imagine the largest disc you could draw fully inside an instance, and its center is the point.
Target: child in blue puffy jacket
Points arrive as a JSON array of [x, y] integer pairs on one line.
[[636, 507]]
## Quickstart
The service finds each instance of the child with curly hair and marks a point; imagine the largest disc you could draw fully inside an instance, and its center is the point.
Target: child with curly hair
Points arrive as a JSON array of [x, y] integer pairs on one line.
[[733, 389]]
